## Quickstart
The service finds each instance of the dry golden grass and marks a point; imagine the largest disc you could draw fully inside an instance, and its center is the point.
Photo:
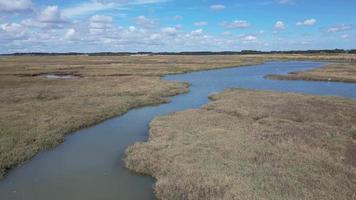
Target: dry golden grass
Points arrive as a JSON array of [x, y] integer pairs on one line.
[[253, 145], [336, 72], [36, 113]]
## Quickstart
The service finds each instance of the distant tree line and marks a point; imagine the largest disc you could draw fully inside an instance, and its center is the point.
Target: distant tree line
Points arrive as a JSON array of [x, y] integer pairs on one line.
[[243, 52], [43, 54]]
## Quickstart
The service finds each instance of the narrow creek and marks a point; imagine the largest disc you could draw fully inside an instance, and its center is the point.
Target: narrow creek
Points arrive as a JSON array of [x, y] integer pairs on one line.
[[88, 165]]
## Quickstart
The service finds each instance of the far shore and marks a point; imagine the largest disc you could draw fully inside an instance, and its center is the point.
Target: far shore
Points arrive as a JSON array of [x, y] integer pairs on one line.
[[335, 72]]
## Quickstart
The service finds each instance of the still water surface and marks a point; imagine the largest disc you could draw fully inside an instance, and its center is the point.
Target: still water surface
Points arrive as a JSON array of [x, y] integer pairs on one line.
[[88, 165]]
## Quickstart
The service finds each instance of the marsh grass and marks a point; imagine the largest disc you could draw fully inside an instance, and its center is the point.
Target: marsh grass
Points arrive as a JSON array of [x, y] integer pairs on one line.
[[249, 144], [336, 72], [36, 112]]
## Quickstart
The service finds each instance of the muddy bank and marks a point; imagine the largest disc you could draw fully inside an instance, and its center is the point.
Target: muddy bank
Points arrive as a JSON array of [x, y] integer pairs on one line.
[[337, 72], [249, 144]]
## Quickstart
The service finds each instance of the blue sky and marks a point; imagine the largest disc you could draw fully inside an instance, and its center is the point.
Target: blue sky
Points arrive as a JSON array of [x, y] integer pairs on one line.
[[175, 25]]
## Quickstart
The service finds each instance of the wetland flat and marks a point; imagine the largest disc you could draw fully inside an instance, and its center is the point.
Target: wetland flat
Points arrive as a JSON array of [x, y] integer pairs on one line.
[[95, 153]]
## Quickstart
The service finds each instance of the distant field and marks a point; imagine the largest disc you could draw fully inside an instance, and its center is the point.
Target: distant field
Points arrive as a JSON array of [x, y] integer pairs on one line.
[[249, 144], [341, 72], [43, 98]]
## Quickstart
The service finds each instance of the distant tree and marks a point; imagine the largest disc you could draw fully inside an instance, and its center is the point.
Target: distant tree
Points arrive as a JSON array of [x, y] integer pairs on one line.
[[353, 51]]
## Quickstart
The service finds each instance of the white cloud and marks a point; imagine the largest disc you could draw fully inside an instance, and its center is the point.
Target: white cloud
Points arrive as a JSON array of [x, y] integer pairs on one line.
[[345, 36], [13, 28], [50, 17], [226, 33], [100, 33], [288, 2], [279, 25], [100, 19], [247, 38], [339, 28], [250, 38], [172, 31], [86, 8], [12, 32], [116, 38], [237, 24], [51, 14], [307, 22], [197, 32], [132, 28], [93, 6], [99, 23], [70, 34], [15, 5], [49, 29], [217, 7], [145, 22], [201, 23], [132, 2]]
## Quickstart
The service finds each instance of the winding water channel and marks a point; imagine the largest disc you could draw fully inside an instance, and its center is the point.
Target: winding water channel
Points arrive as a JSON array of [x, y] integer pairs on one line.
[[88, 165]]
